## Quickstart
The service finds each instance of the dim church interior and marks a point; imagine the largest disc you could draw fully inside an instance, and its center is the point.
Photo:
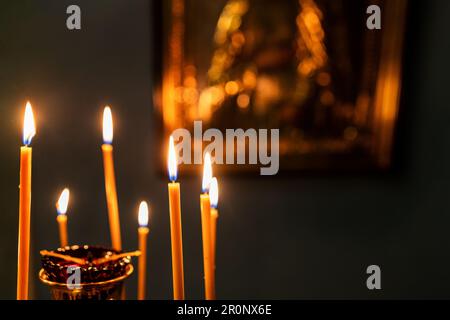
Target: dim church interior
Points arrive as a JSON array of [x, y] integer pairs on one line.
[[286, 237]]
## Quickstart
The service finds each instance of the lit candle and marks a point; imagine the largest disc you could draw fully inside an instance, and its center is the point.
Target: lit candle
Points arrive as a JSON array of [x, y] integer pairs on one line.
[[23, 256], [205, 207], [175, 225], [214, 199], [110, 180], [61, 218], [143, 233]]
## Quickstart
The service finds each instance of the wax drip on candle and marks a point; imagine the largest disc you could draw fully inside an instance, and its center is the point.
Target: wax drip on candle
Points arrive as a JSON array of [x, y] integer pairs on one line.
[[172, 161], [207, 173], [107, 125], [29, 127], [143, 214], [63, 202]]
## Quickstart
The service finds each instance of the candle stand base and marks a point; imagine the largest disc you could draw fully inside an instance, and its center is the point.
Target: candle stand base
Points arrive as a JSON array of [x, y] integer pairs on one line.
[[98, 278], [106, 290]]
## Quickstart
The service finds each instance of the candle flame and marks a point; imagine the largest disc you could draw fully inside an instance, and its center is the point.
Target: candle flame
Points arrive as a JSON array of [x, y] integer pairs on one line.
[[107, 125], [63, 202], [143, 214], [214, 193], [172, 161], [207, 173], [29, 127]]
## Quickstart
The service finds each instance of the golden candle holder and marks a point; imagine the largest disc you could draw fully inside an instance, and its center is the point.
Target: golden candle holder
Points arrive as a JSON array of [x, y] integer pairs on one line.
[[102, 273], [106, 290]]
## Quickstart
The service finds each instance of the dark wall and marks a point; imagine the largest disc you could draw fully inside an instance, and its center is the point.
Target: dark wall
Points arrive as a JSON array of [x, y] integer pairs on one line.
[[279, 237]]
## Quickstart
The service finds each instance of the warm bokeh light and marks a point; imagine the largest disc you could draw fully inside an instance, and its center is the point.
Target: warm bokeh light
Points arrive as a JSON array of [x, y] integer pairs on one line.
[[249, 79], [143, 214], [29, 127], [231, 88], [214, 193], [107, 125], [311, 32], [207, 173], [63, 202], [172, 161], [323, 79], [327, 98], [243, 100]]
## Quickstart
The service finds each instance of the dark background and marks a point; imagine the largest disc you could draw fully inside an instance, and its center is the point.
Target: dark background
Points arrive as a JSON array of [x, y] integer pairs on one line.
[[278, 237]]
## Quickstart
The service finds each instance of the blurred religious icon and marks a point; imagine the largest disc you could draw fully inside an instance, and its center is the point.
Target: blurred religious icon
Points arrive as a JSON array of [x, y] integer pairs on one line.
[[310, 68]]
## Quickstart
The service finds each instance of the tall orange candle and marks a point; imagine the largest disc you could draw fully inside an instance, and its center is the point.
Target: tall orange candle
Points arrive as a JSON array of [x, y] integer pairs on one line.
[[23, 254], [175, 225], [214, 199], [143, 231], [205, 207], [110, 180], [61, 218]]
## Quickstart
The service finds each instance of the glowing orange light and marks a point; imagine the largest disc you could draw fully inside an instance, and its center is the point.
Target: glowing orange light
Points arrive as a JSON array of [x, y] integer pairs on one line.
[[29, 127], [214, 193], [107, 125], [63, 202], [327, 98], [143, 214], [323, 79], [249, 79], [172, 161], [243, 100], [207, 173], [232, 88]]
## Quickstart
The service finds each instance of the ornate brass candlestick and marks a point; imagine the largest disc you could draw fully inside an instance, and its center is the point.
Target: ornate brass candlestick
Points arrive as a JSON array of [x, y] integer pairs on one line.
[[85, 272]]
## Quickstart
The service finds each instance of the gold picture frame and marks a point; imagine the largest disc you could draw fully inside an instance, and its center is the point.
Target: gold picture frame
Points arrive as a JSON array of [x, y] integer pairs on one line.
[[358, 134]]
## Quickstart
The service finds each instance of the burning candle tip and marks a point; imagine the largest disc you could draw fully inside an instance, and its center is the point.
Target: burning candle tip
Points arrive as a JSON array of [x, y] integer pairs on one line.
[[107, 126], [63, 202], [214, 193], [207, 173], [29, 127], [172, 161], [143, 214]]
